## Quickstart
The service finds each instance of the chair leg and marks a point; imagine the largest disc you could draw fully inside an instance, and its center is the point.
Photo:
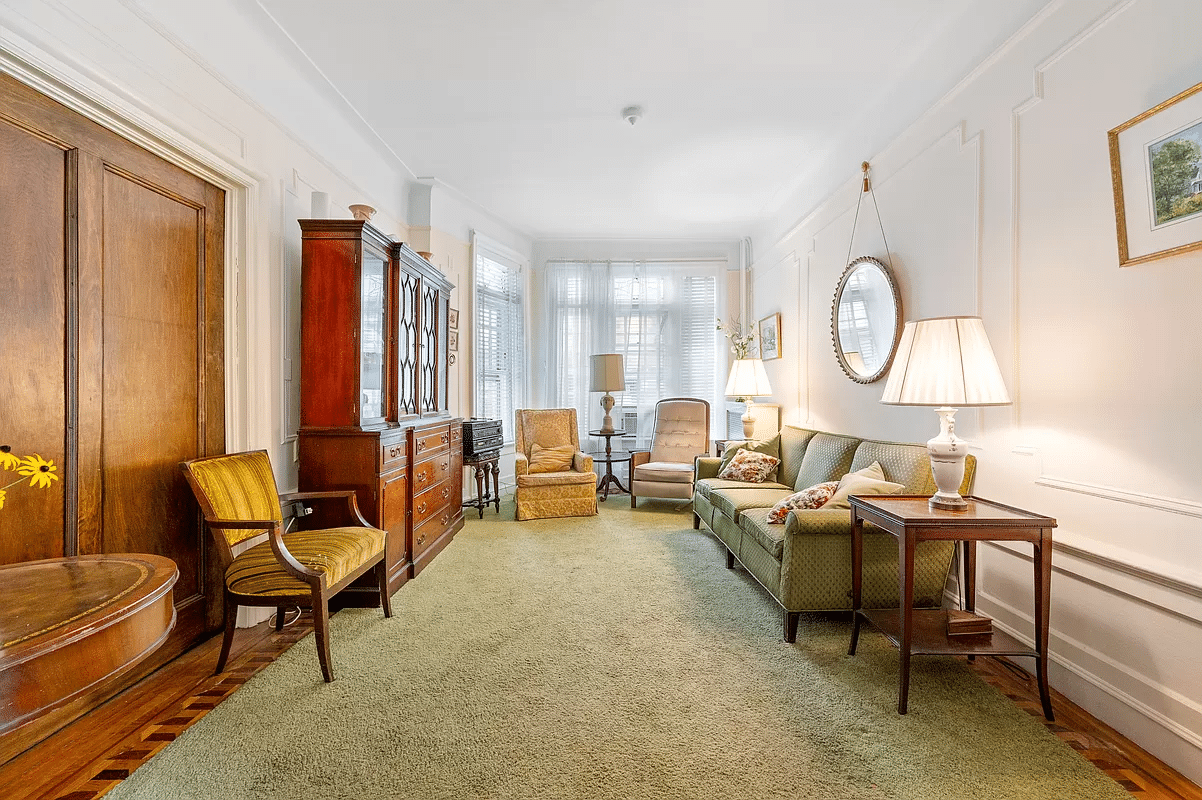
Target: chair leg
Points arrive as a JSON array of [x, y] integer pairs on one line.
[[730, 559], [696, 521], [227, 639], [633, 501], [279, 618], [382, 580], [321, 631], [791, 620]]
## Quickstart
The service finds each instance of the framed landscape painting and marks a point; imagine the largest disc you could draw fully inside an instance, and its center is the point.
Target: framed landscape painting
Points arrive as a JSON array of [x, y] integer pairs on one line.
[[1156, 169], [770, 337]]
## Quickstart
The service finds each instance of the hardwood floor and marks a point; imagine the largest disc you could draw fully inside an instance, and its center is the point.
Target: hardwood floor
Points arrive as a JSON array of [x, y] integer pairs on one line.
[[92, 755]]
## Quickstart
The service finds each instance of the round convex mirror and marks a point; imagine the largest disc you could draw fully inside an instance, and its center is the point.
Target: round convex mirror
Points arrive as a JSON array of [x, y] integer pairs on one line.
[[866, 320]]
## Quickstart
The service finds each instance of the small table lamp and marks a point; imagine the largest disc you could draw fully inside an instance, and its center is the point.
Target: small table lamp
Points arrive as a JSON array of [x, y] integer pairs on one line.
[[608, 376], [946, 362], [747, 380]]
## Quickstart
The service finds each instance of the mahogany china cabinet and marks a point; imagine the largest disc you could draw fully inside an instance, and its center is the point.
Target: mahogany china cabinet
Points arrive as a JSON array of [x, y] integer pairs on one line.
[[374, 411]]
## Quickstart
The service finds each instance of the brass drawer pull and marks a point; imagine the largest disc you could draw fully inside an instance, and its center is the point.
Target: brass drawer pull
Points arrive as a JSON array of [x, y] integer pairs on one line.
[[421, 539], [446, 492], [422, 477], [445, 438], [446, 518], [421, 445], [421, 509]]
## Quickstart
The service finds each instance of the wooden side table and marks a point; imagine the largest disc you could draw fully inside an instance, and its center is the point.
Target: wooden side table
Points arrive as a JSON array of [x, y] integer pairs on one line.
[[924, 631], [485, 464], [609, 458]]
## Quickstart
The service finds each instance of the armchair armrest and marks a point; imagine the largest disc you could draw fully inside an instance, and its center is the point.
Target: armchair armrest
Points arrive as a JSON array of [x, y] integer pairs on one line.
[[639, 457], [706, 467], [274, 527], [354, 517], [582, 462], [521, 465]]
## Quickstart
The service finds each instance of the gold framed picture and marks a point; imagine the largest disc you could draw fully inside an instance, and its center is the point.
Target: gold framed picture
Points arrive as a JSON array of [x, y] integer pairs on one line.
[[453, 318], [1156, 170], [770, 337]]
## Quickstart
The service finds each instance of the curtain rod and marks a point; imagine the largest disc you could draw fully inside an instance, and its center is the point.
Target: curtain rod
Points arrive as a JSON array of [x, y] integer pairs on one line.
[[707, 260]]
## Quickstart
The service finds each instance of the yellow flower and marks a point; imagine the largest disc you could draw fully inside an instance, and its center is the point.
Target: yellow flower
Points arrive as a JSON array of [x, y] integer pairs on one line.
[[7, 459], [39, 471]]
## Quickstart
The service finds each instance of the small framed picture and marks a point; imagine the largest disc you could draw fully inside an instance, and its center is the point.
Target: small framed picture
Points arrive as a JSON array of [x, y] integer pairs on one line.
[[1156, 169], [453, 318], [453, 341], [770, 337]]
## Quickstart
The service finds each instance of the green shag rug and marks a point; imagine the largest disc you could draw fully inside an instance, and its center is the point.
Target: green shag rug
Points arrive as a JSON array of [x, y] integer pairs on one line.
[[606, 657]]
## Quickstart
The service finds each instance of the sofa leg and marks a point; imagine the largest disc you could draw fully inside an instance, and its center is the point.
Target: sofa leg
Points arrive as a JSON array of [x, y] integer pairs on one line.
[[696, 522], [730, 559], [633, 501], [791, 620]]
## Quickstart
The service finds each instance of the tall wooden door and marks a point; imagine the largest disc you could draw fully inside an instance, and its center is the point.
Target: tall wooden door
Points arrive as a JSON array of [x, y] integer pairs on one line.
[[111, 346]]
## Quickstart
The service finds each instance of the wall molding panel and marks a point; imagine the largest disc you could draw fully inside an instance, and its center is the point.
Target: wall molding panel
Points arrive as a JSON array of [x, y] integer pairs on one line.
[[1018, 623]]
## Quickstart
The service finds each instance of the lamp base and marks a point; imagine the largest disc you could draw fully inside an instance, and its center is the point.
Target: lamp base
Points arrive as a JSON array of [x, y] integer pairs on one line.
[[607, 422], [947, 452], [748, 424]]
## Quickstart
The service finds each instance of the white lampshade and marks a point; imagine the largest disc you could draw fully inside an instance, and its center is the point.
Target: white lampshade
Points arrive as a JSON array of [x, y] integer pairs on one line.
[[608, 373], [748, 379], [946, 361]]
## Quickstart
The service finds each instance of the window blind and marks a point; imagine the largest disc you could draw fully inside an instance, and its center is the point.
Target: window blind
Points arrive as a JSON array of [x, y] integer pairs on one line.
[[499, 336]]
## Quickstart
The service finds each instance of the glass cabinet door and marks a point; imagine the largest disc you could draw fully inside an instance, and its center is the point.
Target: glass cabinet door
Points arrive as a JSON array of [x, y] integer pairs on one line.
[[408, 297], [373, 399], [444, 307], [428, 353]]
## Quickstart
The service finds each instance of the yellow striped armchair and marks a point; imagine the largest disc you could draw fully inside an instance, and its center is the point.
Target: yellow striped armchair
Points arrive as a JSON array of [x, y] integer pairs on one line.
[[304, 568]]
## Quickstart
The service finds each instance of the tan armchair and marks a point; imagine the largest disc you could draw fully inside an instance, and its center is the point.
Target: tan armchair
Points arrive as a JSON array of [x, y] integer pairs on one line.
[[682, 432], [564, 490]]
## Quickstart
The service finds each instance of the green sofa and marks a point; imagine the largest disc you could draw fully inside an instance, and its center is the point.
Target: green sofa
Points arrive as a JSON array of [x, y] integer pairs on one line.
[[805, 564]]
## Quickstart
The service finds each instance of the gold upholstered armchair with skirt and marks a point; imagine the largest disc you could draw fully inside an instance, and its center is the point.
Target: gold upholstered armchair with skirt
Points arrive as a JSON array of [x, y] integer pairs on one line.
[[237, 495], [682, 433], [554, 478]]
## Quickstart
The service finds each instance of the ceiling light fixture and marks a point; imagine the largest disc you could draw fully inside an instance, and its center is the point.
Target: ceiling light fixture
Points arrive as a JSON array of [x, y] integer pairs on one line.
[[632, 114]]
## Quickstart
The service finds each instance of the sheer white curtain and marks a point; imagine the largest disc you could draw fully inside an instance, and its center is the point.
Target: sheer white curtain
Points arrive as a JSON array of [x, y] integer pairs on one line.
[[659, 315]]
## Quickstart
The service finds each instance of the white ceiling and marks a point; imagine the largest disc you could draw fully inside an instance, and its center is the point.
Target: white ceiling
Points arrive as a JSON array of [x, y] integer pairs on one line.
[[750, 106]]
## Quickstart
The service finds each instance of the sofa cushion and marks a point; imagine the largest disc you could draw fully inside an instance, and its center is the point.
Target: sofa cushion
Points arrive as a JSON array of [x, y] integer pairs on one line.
[[868, 480], [750, 466], [754, 523], [732, 502], [767, 446], [813, 497], [827, 458], [907, 464], [706, 487], [665, 472], [793, 443]]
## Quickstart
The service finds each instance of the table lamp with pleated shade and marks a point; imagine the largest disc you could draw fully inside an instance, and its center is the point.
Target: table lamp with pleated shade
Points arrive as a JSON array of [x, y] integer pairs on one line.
[[947, 363]]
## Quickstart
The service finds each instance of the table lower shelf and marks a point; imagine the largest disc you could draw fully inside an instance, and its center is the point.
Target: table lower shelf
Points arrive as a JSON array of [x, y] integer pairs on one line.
[[930, 635]]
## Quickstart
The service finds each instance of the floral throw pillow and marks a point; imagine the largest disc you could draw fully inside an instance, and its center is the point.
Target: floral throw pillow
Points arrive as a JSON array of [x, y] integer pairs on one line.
[[812, 497], [749, 466]]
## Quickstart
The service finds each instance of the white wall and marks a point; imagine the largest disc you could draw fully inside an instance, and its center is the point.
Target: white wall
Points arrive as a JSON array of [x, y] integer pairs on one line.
[[259, 124], [998, 202]]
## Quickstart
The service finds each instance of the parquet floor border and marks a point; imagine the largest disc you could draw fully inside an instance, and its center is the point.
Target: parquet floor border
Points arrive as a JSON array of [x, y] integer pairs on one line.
[[120, 761], [1141, 774]]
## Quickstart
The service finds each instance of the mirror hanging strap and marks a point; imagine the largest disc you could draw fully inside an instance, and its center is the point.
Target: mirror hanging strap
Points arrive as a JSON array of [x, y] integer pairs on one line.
[[867, 189]]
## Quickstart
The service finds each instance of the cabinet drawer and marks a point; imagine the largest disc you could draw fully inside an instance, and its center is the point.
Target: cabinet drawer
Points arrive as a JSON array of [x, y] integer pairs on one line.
[[456, 432], [392, 453], [432, 502], [430, 532], [430, 472], [430, 441]]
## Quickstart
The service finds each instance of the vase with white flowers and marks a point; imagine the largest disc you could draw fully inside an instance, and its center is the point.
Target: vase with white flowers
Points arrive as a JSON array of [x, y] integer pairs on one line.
[[741, 339]]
